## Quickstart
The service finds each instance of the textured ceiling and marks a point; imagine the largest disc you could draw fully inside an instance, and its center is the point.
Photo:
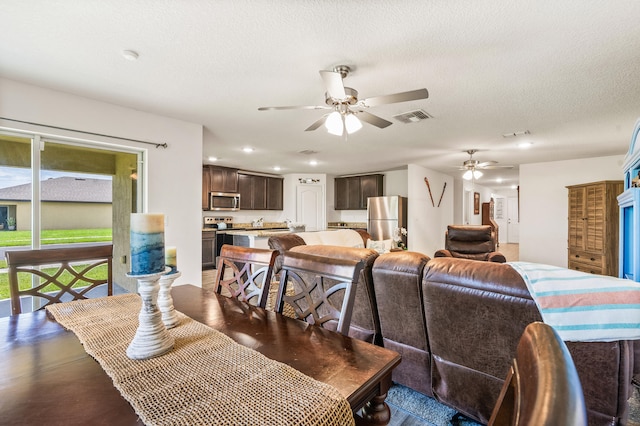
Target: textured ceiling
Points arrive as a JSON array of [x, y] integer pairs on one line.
[[566, 70]]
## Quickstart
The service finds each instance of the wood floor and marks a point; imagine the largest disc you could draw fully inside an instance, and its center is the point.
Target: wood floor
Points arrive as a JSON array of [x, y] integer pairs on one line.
[[510, 251]]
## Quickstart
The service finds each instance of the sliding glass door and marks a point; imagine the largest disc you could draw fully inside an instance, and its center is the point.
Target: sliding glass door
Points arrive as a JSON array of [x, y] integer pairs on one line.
[[62, 192]]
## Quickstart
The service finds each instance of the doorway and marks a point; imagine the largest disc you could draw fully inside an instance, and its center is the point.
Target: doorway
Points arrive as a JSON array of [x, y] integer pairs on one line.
[[513, 221], [68, 192], [310, 206]]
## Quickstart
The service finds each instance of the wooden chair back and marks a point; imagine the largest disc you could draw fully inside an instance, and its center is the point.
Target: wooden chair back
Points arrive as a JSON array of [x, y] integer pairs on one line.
[[321, 290], [64, 274], [245, 273], [542, 386]]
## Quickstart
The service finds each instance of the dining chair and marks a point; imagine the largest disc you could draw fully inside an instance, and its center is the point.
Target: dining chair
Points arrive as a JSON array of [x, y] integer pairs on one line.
[[245, 273], [321, 290], [542, 386], [58, 274]]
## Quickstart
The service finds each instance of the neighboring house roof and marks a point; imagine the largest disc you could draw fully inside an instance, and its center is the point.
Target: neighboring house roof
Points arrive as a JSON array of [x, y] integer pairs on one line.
[[63, 189]]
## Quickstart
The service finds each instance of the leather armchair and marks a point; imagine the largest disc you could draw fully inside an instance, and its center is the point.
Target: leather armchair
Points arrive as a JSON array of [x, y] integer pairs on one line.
[[474, 242]]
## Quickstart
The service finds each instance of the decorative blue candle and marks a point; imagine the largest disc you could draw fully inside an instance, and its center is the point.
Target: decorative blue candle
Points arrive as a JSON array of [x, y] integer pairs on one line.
[[147, 243]]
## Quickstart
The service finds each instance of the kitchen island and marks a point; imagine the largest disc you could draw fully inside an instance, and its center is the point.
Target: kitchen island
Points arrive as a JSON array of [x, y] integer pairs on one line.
[[258, 238]]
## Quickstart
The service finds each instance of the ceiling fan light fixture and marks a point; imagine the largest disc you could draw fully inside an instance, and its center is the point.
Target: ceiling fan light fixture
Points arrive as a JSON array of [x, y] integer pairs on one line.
[[352, 124], [334, 123], [472, 174]]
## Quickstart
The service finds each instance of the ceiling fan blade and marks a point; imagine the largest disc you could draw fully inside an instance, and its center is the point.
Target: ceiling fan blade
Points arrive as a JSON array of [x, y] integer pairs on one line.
[[486, 163], [496, 167], [412, 95], [373, 119], [333, 82], [294, 107], [317, 124]]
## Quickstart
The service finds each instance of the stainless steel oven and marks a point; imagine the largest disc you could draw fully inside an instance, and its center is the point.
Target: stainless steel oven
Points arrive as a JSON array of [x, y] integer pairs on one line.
[[224, 201]]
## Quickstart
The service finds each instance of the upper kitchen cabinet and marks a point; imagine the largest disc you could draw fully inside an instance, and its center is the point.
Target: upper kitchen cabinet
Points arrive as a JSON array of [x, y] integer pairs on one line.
[[217, 179], [260, 192], [351, 193], [223, 179], [206, 186], [275, 193]]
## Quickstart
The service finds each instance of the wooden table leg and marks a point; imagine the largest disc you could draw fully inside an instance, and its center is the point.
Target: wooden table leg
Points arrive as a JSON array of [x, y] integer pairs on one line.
[[376, 411]]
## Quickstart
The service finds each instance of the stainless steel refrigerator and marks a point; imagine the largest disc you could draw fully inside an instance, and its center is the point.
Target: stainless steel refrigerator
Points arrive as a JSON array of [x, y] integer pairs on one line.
[[385, 215]]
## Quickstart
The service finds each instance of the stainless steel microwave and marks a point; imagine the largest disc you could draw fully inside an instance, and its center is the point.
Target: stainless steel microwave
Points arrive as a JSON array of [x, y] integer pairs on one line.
[[224, 201]]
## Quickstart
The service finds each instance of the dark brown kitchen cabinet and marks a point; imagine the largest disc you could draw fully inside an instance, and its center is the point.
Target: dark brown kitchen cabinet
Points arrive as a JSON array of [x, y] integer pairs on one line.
[[223, 179], [351, 193], [206, 186], [341, 194], [217, 179], [370, 186], [275, 193], [260, 192], [253, 192], [208, 249]]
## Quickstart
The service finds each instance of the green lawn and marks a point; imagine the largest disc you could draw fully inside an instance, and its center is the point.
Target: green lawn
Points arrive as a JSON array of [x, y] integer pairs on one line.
[[24, 280], [58, 236]]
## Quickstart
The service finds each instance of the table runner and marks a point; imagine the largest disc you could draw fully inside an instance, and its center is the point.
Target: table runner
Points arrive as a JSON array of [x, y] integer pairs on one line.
[[583, 307], [206, 379]]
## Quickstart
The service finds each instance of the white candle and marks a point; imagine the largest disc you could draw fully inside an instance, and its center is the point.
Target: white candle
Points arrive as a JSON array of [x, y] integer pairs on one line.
[[171, 258], [147, 243]]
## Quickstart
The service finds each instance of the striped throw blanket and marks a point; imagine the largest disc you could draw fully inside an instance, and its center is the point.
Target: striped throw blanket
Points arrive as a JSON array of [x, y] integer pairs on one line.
[[583, 307]]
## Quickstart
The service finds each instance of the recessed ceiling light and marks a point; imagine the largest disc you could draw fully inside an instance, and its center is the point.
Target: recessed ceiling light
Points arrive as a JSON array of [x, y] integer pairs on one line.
[[247, 149], [525, 145], [499, 180], [313, 163], [276, 168], [514, 186], [130, 55], [213, 158]]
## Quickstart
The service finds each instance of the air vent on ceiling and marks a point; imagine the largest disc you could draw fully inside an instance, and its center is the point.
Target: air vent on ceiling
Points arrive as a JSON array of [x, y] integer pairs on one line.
[[308, 152], [412, 116]]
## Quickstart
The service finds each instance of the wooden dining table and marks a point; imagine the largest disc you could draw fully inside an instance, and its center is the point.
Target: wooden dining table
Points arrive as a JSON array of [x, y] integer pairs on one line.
[[47, 378]]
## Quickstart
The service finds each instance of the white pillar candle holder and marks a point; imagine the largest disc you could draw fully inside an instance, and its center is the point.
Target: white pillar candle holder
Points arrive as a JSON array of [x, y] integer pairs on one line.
[[165, 301], [152, 338]]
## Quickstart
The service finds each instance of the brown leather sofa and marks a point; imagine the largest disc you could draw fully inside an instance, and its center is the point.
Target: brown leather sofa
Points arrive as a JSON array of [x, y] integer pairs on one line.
[[397, 280], [459, 328], [476, 242]]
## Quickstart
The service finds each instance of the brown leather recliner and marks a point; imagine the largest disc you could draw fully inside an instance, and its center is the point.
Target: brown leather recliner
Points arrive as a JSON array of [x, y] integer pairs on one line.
[[474, 242]]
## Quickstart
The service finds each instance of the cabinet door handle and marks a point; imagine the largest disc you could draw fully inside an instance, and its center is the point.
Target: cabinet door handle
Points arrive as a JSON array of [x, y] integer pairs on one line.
[[577, 256], [593, 259]]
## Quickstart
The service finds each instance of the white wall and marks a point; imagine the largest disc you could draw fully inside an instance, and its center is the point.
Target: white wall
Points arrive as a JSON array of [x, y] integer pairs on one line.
[[174, 174], [544, 205], [426, 223]]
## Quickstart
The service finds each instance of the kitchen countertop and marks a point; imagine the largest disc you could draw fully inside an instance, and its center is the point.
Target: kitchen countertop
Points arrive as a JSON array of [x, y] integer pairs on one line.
[[347, 225], [258, 232]]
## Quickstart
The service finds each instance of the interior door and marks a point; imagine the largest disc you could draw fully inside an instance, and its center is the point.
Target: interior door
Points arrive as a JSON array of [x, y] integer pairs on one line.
[[513, 221], [310, 206]]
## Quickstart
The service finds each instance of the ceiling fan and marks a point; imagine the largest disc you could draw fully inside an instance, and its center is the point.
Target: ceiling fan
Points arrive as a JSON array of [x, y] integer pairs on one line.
[[346, 109], [472, 167]]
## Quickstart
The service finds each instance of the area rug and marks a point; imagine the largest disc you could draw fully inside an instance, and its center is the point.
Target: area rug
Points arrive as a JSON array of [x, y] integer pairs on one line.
[[426, 411], [430, 411]]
